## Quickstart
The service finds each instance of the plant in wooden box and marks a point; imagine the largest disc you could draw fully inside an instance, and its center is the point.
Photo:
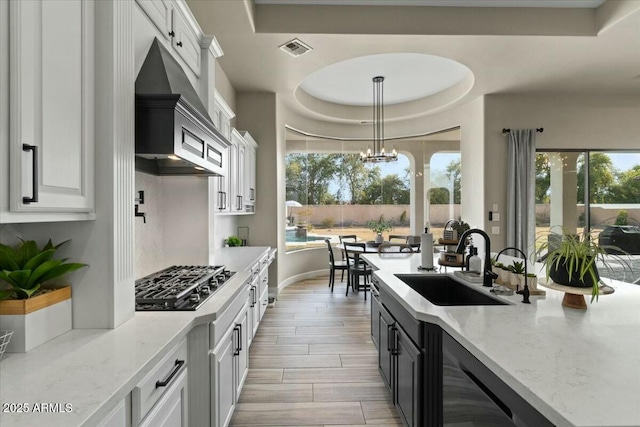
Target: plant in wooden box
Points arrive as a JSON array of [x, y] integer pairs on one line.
[[570, 260], [379, 227], [34, 312]]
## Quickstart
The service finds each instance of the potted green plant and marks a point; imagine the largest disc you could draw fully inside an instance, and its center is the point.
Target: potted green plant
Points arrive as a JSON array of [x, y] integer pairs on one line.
[[379, 227], [232, 241], [23, 272], [516, 278], [570, 260]]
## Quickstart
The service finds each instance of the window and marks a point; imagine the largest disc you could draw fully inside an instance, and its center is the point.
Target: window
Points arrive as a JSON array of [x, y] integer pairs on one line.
[[610, 206], [330, 192]]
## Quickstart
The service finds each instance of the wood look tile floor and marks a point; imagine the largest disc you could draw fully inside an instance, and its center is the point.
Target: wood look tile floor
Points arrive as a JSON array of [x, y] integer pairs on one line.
[[312, 363]]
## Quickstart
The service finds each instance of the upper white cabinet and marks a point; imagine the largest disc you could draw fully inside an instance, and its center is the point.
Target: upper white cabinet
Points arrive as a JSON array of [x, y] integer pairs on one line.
[[159, 12], [222, 115], [51, 111], [250, 172], [174, 22], [235, 194], [185, 42]]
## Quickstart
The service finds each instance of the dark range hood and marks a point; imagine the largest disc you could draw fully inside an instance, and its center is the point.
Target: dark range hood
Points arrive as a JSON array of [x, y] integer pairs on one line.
[[174, 133]]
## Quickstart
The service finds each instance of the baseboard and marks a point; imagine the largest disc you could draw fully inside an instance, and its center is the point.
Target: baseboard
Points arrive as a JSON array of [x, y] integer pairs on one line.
[[303, 276]]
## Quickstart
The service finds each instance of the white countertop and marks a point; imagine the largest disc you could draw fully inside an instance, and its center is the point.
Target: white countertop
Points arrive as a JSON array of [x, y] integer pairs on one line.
[[576, 367], [94, 369]]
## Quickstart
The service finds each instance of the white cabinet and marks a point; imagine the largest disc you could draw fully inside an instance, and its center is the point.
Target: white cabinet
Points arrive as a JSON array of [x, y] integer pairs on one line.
[[160, 398], [172, 20], [237, 175], [222, 115], [51, 111], [120, 416], [159, 13], [250, 172], [254, 306], [171, 410], [229, 367], [185, 42]]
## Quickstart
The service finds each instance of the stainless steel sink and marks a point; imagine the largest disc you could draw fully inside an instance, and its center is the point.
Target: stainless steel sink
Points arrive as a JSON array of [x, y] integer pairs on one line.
[[444, 290]]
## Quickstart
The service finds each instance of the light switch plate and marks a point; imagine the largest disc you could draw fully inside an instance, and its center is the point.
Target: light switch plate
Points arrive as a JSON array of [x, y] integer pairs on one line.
[[496, 216], [495, 230], [495, 207]]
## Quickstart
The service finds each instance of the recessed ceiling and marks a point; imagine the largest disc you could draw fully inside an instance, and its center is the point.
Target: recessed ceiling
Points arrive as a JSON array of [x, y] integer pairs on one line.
[[587, 4], [408, 76]]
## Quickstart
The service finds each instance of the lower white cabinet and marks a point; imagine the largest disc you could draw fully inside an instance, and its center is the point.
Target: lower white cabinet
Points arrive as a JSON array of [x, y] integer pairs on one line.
[[160, 399], [171, 409], [229, 367], [120, 416]]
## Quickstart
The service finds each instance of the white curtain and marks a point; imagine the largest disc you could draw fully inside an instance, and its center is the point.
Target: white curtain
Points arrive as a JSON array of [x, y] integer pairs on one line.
[[521, 216]]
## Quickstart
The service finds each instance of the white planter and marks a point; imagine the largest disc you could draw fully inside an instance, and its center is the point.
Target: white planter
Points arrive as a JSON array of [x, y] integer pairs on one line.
[[379, 238], [504, 276], [40, 325]]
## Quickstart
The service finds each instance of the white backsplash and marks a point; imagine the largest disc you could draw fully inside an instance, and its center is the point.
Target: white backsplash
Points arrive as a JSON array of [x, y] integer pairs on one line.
[[149, 244]]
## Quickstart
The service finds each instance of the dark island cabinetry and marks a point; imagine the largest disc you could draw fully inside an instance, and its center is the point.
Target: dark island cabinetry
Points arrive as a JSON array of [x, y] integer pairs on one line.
[[434, 380]]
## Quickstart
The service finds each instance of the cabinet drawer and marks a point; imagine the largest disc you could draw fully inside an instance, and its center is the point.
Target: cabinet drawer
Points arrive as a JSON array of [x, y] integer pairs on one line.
[[148, 391], [221, 325]]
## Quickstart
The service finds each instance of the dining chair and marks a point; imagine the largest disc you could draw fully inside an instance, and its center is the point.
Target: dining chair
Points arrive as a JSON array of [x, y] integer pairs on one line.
[[398, 237], [347, 238], [335, 265], [395, 247], [356, 269]]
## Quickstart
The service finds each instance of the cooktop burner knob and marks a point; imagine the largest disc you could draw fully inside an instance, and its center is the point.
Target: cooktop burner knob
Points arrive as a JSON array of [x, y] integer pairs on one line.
[[206, 290], [194, 298]]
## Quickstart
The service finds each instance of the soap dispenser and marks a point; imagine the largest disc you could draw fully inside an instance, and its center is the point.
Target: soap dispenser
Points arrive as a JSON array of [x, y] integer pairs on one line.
[[475, 262]]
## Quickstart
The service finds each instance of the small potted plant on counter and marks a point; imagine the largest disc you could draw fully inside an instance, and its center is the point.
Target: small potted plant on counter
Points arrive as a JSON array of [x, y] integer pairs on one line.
[[23, 272], [233, 241], [379, 227], [516, 278], [570, 260]]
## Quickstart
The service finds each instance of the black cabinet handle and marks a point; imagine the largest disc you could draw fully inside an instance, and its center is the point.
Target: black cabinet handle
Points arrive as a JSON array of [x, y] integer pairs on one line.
[[239, 326], [179, 44], [253, 296], [172, 33], [389, 333], [179, 364], [394, 350], [34, 174], [236, 352]]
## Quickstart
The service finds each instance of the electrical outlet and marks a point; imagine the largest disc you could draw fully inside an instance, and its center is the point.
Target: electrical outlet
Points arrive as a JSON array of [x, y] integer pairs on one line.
[[495, 230], [495, 207]]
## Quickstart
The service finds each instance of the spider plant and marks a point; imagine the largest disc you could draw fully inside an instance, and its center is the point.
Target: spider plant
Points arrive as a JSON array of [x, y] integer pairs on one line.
[[577, 254]]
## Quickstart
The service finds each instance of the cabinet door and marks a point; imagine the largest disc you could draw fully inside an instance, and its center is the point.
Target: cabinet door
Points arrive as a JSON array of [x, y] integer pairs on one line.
[[375, 319], [186, 43], [257, 312], [240, 177], [242, 358], [222, 384], [264, 301], [171, 409], [232, 183], [407, 378], [250, 166], [51, 106], [118, 417], [159, 12], [386, 325]]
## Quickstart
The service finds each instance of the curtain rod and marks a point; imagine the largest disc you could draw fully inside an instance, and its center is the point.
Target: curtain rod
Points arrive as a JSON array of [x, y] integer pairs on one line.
[[506, 130]]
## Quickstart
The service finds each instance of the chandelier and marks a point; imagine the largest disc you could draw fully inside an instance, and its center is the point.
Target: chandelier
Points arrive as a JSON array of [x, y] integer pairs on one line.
[[378, 154]]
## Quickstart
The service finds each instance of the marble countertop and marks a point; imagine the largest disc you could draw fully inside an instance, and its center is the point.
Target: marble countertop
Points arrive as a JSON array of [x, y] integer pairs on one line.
[[576, 367], [94, 369]]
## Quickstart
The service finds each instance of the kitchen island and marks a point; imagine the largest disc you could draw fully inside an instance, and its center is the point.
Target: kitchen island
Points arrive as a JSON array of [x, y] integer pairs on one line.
[[576, 368], [81, 376]]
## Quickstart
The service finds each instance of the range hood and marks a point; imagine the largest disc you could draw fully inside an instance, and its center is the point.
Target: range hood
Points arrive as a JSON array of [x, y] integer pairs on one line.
[[174, 133]]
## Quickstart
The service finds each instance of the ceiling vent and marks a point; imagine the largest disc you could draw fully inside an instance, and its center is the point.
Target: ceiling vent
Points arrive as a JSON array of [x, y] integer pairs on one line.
[[295, 47]]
